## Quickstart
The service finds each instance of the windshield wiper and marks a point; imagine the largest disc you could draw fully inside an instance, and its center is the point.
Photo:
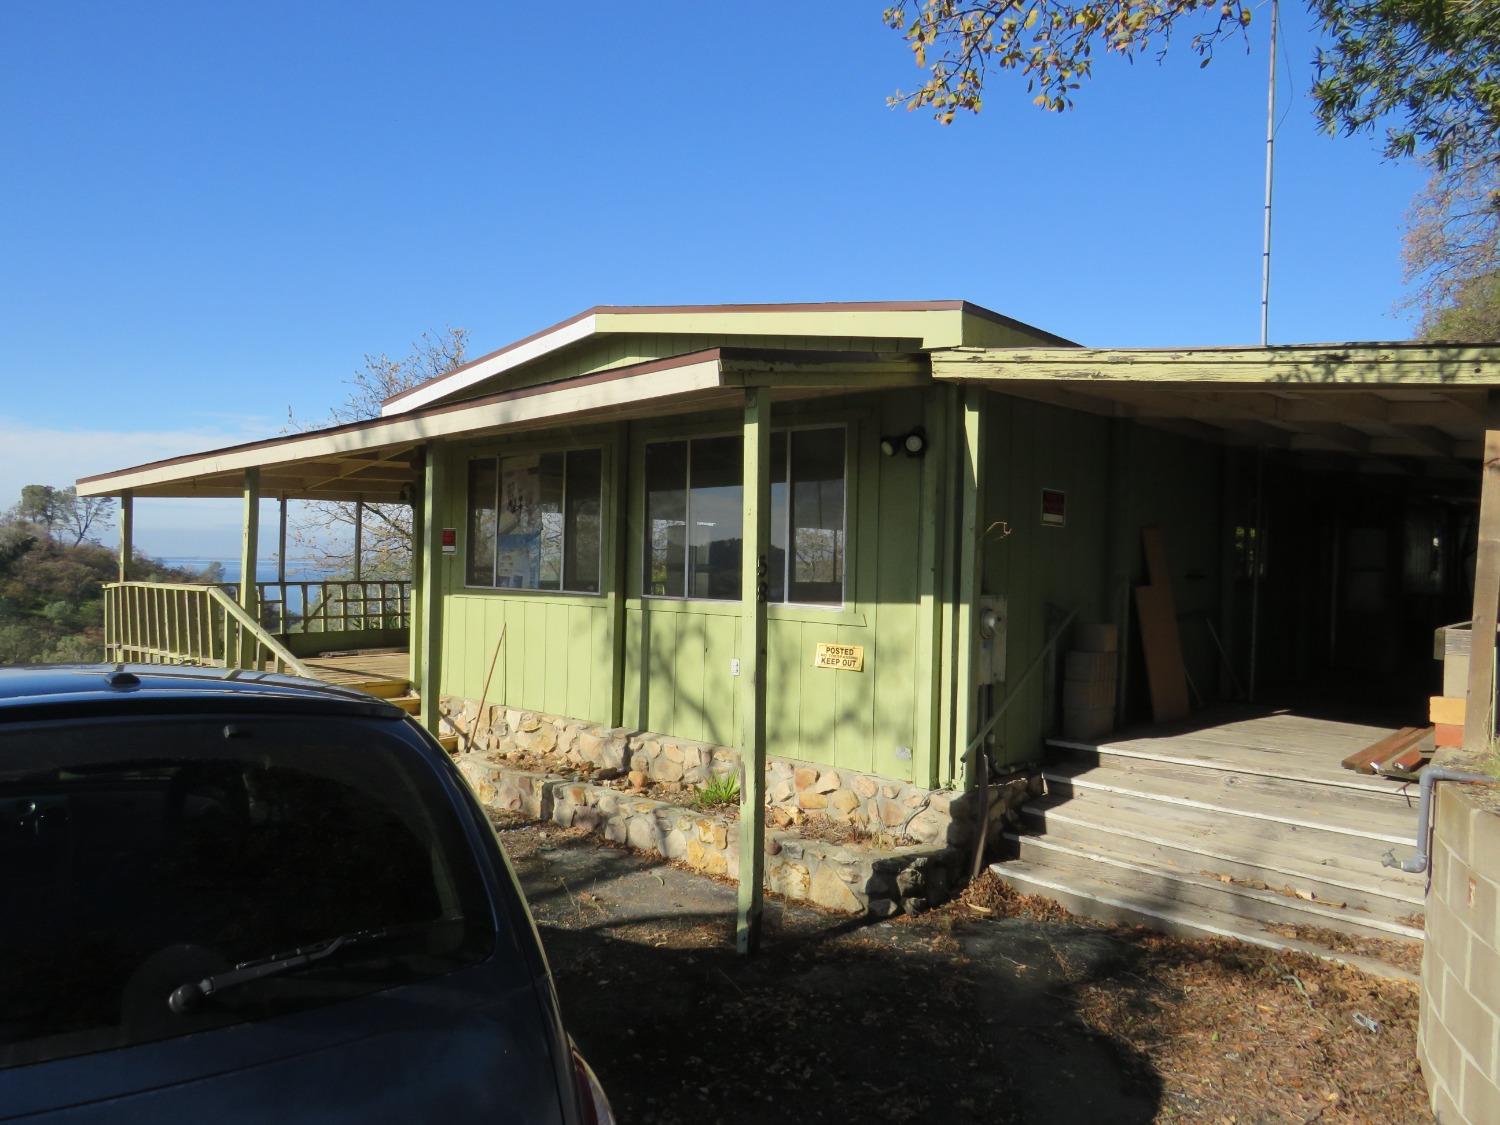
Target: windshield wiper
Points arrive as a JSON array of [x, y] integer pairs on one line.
[[185, 997]]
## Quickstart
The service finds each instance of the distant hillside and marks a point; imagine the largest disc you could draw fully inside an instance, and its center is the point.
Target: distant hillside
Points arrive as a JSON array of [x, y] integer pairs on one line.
[[51, 598]]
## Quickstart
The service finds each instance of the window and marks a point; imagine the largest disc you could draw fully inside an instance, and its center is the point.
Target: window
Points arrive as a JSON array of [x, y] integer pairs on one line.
[[694, 514], [535, 521]]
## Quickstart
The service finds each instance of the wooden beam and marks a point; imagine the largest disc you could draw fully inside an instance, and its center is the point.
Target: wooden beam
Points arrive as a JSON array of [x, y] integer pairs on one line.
[[755, 548], [127, 534], [249, 540], [1354, 365], [359, 540], [1479, 713], [929, 589], [418, 569], [249, 555], [970, 568], [434, 573], [281, 538], [619, 525]]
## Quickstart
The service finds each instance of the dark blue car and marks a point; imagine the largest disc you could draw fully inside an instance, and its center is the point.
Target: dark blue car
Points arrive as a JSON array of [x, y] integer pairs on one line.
[[243, 897]]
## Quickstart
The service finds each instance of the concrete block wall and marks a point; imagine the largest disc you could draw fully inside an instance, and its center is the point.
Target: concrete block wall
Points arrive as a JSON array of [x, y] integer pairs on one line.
[[1458, 1038]]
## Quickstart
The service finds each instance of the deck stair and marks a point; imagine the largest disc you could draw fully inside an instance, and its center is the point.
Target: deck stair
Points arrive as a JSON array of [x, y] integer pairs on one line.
[[380, 674], [1225, 835]]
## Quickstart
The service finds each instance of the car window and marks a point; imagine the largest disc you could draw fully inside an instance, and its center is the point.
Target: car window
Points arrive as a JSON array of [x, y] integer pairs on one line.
[[137, 856]]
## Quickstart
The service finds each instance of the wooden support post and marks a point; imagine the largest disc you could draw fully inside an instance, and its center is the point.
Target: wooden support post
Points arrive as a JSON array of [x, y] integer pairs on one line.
[[952, 455], [249, 553], [619, 524], [414, 609], [359, 540], [1479, 708], [756, 541], [281, 549], [1121, 547], [127, 534], [434, 574], [970, 575], [928, 746]]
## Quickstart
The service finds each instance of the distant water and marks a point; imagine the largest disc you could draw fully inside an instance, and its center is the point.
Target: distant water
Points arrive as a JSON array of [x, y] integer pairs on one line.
[[297, 570]]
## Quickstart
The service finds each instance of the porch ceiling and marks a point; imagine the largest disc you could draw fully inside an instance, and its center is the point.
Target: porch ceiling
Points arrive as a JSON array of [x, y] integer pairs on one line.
[[1382, 403], [380, 460]]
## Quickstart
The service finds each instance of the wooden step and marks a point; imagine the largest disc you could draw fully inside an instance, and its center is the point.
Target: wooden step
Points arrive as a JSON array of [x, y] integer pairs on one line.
[[1247, 796], [448, 742], [1198, 890], [1330, 866], [1124, 897], [1202, 752], [411, 704]]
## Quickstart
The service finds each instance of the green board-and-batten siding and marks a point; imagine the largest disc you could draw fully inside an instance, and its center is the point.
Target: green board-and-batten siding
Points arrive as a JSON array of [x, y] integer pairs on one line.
[[1170, 481], [678, 679]]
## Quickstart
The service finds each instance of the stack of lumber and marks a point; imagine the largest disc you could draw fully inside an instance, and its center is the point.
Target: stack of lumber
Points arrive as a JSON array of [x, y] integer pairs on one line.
[[1401, 755]]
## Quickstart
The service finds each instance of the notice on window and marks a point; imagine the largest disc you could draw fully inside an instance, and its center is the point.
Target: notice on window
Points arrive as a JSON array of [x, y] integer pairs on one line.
[[844, 658]]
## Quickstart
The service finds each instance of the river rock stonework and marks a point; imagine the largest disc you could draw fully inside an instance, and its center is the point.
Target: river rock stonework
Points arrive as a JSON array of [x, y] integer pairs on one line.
[[919, 839]]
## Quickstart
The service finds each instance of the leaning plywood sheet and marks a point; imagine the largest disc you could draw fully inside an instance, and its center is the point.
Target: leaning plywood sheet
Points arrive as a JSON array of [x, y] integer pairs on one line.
[[1166, 677]]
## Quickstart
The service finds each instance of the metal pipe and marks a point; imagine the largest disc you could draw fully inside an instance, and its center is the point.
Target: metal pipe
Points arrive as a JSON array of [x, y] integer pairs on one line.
[[1430, 777], [1265, 258]]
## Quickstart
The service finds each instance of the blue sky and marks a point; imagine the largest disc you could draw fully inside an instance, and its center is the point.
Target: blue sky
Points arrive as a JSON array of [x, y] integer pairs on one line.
[[210, 213]]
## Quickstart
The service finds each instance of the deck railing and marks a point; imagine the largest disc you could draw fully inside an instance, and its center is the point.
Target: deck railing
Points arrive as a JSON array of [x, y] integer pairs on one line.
[[181, 623], [332, 606]]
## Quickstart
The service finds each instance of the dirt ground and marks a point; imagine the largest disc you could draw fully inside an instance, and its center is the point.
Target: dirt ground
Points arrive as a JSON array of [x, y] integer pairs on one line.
[[995, 1008]]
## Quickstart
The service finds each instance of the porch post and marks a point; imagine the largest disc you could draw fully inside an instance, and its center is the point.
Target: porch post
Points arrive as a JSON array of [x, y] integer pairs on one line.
[[930, 591], [249, 551], [414, 598], [281, 549], [619, 529], [359, 540], [433, 573], [1479, 706], [250, 540], [755, 542], [970, 574], [127, 534]]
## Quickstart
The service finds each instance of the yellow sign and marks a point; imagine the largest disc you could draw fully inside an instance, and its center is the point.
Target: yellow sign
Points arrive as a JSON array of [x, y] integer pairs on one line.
[[846, 658]]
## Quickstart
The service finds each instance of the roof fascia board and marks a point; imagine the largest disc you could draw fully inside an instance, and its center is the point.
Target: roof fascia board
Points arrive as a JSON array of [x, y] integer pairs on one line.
[[514, 355], [617, 388], [1307, 367]]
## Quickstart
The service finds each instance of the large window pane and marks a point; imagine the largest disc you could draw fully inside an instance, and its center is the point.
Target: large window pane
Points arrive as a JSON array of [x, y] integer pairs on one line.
[[817, 516], [529, 555], [481, 538], [581, 544], [666, 519], [776, 560], [716, 511]]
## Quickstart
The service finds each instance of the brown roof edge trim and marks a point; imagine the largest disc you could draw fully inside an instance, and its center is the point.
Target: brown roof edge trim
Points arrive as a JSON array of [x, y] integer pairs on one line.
[[770, 306], [1020, 325], [609, 375]]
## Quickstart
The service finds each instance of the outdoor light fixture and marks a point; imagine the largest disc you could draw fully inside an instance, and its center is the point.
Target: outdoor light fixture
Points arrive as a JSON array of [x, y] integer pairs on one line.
[[913, 444]]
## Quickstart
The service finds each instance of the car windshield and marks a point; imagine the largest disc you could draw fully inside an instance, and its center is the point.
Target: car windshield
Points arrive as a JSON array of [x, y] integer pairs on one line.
[[139, 856]]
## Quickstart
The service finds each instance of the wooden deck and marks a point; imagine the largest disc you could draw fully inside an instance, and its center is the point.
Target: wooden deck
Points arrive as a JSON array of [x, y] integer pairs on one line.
[[1277, 744], [355, 669]]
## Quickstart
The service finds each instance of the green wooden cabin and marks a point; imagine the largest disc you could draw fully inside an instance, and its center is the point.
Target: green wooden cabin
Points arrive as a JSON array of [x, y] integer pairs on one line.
[[937, 488]]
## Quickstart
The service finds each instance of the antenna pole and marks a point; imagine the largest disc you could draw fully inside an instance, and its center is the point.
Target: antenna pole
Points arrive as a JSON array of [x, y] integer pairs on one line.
[[1265, 257]]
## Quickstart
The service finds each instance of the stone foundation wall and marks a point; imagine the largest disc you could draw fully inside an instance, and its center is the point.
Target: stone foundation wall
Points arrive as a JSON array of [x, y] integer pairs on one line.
[[854, 879], [880, 805], [1458, 1038]]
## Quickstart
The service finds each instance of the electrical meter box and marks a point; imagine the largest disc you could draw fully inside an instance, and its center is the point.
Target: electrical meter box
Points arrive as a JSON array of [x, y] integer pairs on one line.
[[990, 628]]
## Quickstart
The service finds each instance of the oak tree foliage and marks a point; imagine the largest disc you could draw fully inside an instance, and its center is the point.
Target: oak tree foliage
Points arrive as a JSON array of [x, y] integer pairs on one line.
[[323, 530]]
